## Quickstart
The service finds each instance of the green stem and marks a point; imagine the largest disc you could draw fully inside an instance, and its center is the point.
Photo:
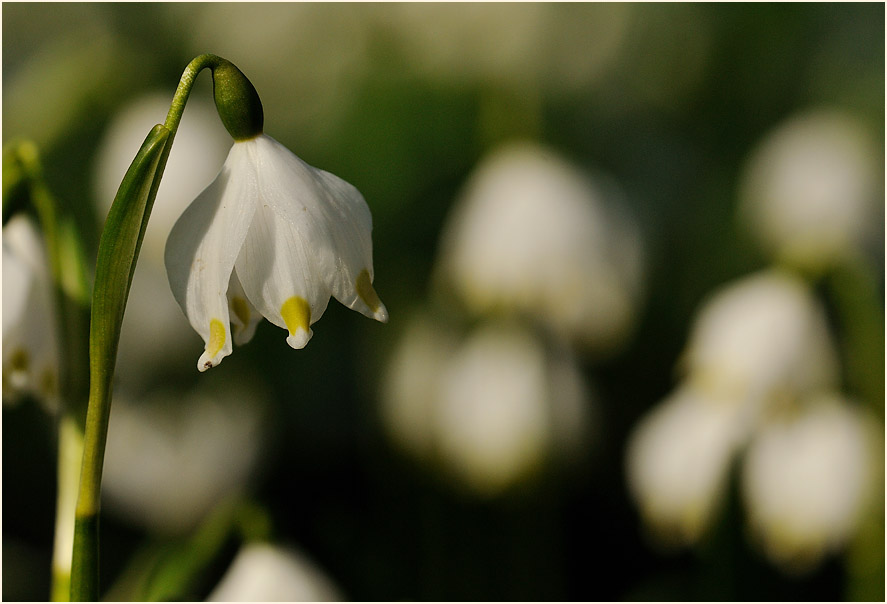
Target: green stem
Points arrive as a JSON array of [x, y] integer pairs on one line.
[[861, 316], [118, 252], [177, 107], [70, 286], [70, 454]]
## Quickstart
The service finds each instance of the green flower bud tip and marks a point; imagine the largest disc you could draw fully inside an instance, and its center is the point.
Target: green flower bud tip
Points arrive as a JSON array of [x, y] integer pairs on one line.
[[237, 102]]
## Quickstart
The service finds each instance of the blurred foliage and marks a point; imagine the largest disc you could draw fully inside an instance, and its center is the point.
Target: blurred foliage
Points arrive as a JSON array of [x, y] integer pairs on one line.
[[403, 101]]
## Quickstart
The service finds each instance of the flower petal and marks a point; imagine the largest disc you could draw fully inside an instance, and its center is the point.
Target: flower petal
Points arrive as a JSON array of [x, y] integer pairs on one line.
[[279, 275], [203, 246], [332, 217], [244, 317]]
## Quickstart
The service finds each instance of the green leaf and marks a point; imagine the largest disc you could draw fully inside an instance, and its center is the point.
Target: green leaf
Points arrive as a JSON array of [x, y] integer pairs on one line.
[[178, 569], [118, 252], [119, 246]]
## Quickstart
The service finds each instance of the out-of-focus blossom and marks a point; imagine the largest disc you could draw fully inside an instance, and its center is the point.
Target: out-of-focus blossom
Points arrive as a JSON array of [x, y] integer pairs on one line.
[[806, 479], [491, 410], [151, 336], [171, 457], [532, 234], [811, 188], [677, 463], [263, 572], [30, 345], [759, 339], [270, 236], [758, 347], [409, 397]]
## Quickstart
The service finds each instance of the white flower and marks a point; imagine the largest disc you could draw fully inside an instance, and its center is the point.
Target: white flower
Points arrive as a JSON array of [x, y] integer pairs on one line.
[[532, 234], [806, 479], [174, 455], [273, 237], [678, 459], [30, 346], [491, 410], [811, 188], [761, 337], [266, 573]]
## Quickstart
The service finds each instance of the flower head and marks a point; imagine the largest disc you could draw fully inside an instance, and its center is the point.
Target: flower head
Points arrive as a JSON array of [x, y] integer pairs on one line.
[[532, 234], [677, 464], [808, 477], [809, 193], [270, 236], [491, 410], [30, 347]]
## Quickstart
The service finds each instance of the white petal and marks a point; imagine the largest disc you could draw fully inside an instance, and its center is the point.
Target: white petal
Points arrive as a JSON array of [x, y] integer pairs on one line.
[[245, 316], [279, 275], [203, 246], [332, 218], [30, 351], [17, 283]]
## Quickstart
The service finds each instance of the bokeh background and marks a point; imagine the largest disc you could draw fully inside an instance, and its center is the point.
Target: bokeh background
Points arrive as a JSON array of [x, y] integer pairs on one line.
[[479, 446]]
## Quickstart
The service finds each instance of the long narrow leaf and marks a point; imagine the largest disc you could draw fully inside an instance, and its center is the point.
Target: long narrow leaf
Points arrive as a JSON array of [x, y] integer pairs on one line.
[[118, 252]]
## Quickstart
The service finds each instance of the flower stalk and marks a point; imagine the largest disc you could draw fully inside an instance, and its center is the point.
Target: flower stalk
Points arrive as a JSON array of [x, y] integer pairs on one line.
[[70, 288], [119, 248]]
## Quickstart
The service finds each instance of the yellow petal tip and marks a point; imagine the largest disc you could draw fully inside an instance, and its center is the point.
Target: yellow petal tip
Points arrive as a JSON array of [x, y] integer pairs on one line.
[[214, 345], [369, 296], [296, 313]]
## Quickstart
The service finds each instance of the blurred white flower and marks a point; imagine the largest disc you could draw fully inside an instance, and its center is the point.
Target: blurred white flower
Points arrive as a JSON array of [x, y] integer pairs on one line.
[[30, 338], [172, 456], [532, 234], [266, 573], [677, 463], [811, 188], [758, 347], [759, 339], [270, 236], [806, 479], [490, 410], [409, 390], [152, 330], [492, 416]]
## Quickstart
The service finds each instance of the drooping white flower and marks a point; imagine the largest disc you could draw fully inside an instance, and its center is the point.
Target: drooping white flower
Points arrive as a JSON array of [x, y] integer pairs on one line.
[[810, 190], [761, 337], [533, 234], [270, 236], [806, 479], [30, 346], [262, 572], [678, 459], [173, 455], [490, 410]]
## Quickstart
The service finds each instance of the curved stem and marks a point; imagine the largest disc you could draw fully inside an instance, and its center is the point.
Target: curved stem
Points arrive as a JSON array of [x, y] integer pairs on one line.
[[177, 107], [118, 253]]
